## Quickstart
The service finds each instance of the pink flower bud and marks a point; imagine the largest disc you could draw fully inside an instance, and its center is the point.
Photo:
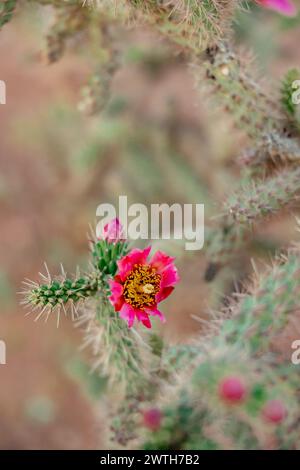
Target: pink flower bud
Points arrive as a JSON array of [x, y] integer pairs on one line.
[[274, 411], [113, 232], [232, 390], [152, 419]]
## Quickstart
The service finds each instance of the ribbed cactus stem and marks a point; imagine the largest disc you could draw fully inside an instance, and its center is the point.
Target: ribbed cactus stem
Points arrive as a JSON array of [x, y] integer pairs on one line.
[[257, 200], [105, 256], [222, 244], [260, 315], [115, 348], [61, 292]]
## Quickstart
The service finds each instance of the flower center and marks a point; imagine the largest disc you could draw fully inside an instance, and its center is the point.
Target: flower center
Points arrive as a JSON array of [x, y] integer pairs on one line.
[[141, 286], [148, 288]]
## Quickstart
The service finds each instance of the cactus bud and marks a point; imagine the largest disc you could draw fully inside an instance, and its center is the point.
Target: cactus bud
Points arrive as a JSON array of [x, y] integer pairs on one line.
[[274, 411], [232, 390], [113, 232], [152, 419]]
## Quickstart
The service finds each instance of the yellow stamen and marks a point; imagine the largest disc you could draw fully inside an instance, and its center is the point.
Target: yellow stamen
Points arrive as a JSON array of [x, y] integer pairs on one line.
[[141, 286]]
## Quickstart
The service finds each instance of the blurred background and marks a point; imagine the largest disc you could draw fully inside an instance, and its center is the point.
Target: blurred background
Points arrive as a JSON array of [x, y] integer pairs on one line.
[[157, 141]]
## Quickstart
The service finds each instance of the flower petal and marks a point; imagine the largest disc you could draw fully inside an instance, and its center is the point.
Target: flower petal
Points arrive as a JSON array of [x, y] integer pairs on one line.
[[160, 261], [127, 313], [154, 311], [143, 317], [136, 256], [163, 294], [116, 298], [285, 7], [115, 287], [170, 276]]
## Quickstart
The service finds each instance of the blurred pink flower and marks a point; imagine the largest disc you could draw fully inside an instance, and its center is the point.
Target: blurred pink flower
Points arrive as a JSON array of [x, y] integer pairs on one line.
[[274, 411], [152, 419], [285, 7], [232, 390], [140, 285], [113, 232]]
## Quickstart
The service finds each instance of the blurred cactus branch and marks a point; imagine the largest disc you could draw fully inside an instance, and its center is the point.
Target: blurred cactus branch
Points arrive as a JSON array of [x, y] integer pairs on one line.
[[272, 153], [269, 306], [235, 88], [246, 207], [256, 200], [108, 59], [189, 23], [203, 29], [232, 81], [241, 340], [7, 8], [100, 28], [70, 19]]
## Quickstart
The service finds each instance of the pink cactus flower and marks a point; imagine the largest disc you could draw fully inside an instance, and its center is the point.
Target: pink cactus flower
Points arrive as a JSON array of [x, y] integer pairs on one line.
[[113, 232], [140, 285], [285, 7]]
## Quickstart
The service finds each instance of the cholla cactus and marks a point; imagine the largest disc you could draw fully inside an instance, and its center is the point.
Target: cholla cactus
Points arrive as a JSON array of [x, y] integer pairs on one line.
[[123, 287], [238, 393], [231, 388]]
